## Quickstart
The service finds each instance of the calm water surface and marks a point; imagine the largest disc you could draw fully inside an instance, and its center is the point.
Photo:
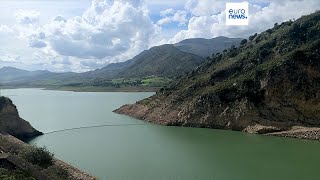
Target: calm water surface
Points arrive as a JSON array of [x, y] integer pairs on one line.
[[153, 152]]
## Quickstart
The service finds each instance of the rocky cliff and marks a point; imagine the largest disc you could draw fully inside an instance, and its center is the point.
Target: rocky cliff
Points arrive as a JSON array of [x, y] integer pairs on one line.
[[269, 84], [12, 124]]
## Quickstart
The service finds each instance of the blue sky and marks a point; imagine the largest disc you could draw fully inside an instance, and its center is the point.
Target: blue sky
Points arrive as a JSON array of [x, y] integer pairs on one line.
[[82, 35]]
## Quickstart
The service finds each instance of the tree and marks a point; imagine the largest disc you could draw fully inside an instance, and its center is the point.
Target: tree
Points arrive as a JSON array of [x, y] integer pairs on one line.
[[253, 36]]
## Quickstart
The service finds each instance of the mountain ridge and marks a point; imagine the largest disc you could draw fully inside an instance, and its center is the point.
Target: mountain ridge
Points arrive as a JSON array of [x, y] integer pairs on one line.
[[267, 85], [164, 61], [206, 47]]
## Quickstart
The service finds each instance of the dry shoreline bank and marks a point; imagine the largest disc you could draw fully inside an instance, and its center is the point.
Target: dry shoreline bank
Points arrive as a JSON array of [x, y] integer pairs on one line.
[[302, 132]]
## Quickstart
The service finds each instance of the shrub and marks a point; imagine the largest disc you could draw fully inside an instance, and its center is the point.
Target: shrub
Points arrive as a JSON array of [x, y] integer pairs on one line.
[[38, 156], [253, 36], [269, 31], [264, 53], [243, 41]]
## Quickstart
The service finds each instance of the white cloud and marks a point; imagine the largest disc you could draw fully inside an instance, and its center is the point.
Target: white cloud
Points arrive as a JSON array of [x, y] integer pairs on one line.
[[179, 16], [10, 59], [106, 29], [5, 29], [166, 12], [209, 23], [80, 39], [27, 17], [205, 7]]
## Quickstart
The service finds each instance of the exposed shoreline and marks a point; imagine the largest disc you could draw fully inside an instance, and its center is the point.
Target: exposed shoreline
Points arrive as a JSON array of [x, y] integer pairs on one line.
[[301, 132]]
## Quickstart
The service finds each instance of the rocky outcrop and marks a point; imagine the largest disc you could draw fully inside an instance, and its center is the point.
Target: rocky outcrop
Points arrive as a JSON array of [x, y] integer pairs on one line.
[[12, 124], [269, 84]]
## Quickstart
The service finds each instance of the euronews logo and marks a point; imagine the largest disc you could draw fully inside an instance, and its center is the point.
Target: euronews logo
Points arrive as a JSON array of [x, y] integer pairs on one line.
[[237, 13]]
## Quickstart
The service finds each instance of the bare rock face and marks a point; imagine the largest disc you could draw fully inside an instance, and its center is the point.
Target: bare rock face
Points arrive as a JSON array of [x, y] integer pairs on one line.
[[12, 124]]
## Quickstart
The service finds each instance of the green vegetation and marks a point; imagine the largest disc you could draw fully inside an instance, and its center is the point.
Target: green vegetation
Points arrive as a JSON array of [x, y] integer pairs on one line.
[[149, 83], [38, 156], [206, 47], [272, 77]]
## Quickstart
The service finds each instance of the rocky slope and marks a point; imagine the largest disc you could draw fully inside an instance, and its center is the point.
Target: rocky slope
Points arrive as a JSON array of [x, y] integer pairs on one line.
[[206, 47], [269, 84], [11, 123], [14, 147]]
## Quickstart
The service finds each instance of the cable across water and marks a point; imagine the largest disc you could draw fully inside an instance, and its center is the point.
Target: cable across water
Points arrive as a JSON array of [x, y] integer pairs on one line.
[[96, 126]]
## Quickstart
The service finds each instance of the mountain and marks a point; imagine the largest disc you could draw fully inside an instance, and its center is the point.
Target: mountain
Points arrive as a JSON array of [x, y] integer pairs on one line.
[[18, 77], [10, 74], [270, 83], [111, 70], [12, 124], [165, 61], [14, 75], [207, 47]]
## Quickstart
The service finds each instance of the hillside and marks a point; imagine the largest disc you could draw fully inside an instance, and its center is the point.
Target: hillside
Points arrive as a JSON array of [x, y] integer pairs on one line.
[[268, 84], [164, 60], [157, 65], [207, 47], [11, 123], [18, 77], [11, 74]]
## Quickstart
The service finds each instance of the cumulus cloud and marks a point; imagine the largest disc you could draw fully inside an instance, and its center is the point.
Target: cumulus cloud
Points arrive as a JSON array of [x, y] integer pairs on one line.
[[205, 7], [59, 18], [106, 29], [211, 23], [27, 17], [10, 59], [5, 29], [166, 12], [116, 30], [170, 16]]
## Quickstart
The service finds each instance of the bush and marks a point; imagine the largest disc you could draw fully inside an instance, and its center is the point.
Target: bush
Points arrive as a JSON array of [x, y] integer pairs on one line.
[[38, 156], [269, 31], [253, 36], [264, 53], [243, 41]]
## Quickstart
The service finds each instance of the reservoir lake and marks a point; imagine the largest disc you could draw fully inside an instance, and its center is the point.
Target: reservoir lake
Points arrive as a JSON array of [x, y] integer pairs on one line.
[[81, 129]]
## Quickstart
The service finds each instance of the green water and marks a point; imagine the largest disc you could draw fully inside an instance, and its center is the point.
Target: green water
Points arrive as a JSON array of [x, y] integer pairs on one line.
[[153, 152]]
